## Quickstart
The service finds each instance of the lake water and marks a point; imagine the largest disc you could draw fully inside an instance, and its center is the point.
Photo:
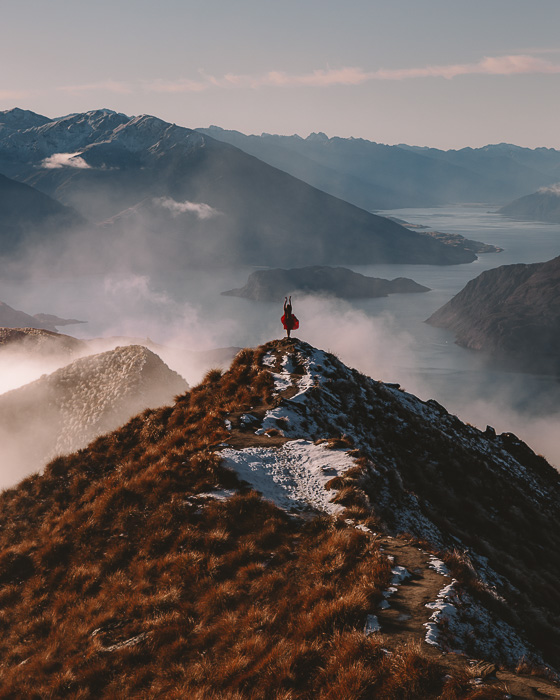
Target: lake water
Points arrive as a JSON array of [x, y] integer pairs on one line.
[[386, 337]]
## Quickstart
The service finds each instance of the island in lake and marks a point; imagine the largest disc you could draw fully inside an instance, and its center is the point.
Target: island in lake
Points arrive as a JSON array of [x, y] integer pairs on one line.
[[275, 284]]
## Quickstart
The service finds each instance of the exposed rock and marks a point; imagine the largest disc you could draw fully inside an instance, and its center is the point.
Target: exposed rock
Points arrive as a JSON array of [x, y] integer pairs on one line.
[[275, 284], [512, 312]]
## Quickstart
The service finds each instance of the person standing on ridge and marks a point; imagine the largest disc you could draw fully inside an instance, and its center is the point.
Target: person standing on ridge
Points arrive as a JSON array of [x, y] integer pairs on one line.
[[289, 320]]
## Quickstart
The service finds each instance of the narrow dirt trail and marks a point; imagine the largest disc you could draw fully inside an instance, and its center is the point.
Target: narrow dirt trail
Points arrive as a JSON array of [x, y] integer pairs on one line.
[[405, 618]]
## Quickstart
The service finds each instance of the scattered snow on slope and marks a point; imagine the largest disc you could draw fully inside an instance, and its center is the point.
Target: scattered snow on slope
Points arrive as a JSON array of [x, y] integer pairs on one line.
[[461, 625]]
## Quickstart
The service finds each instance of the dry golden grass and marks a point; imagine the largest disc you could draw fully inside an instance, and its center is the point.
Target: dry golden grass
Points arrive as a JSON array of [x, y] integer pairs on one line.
[[118, 581]]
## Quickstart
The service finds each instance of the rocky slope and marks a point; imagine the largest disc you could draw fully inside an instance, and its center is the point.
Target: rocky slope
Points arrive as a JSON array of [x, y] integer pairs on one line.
[[146, 566], [139, 176], [543, 205], [275, 284], [39, 341], [65, 410], [511, 312]]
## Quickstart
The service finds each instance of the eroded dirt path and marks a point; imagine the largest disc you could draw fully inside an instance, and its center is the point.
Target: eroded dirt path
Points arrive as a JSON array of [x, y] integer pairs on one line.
[[405, 618]]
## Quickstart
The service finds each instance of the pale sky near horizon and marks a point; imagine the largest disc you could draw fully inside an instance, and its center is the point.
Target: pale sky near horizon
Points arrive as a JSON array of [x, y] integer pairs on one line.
[[437, 73]]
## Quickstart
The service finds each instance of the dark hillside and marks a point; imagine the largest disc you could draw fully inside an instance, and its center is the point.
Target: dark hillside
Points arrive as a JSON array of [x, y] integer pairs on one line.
[[511, 312], [28, 216], [142, 567], [543, 205]]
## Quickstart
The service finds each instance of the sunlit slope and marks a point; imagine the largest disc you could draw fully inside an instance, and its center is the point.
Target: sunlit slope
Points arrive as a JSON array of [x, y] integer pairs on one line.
[[65, 410]]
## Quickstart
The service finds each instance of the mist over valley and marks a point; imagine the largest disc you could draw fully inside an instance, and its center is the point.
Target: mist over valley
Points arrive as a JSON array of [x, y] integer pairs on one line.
[[166, 219]]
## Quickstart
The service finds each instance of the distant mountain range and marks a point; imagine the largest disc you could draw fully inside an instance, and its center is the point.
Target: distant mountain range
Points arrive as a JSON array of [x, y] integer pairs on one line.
[[511, 312], [153, 189], [376, 176], [543, 205]]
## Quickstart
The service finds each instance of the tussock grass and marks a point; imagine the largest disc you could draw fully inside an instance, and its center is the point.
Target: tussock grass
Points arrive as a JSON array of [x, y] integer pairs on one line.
[[117, 581]]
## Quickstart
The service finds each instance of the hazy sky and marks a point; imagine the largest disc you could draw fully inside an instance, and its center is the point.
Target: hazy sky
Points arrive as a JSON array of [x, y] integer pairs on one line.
[[443, 73]]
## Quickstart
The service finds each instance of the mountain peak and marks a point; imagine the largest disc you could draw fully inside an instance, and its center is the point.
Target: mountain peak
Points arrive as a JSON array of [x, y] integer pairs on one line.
[[317, 136], [17, 118]]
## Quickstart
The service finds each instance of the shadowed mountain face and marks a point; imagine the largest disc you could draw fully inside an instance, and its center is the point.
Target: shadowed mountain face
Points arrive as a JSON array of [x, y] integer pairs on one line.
[[65, 410], [248, 540], [543, 205], [376, 176], [512, 312], [274, 285], [184, 198], [29, 217]]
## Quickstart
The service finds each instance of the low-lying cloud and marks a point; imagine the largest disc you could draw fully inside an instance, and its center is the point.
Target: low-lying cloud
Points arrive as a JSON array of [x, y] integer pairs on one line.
[[551, 189], [201, 210], [64, 160]]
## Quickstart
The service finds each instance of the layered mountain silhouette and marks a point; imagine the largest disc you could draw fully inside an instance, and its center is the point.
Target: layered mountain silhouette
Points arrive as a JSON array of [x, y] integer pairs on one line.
[[163, 192], [29, 217], [376, 176], [511, 312], [275, 284], [12, 318], [543, 205], [273, 533], [63, 411]]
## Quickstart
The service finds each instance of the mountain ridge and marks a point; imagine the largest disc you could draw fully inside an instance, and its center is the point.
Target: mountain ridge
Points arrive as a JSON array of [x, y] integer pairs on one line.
[[158, 565]]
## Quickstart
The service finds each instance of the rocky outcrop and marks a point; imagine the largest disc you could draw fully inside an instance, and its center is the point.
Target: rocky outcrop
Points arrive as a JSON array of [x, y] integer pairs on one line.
[[275, 284], [512, 312]]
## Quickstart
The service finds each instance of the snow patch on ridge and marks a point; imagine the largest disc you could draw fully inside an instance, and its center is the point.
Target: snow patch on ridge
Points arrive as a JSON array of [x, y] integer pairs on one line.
[[292, 476]]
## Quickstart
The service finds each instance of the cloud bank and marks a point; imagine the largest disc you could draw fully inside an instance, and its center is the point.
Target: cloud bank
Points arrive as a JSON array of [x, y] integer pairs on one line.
[[201, 210], [516, 64]]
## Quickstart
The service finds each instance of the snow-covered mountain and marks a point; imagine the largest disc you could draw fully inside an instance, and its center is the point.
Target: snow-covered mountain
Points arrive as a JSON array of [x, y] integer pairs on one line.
[[288, 528], [117, 170]]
